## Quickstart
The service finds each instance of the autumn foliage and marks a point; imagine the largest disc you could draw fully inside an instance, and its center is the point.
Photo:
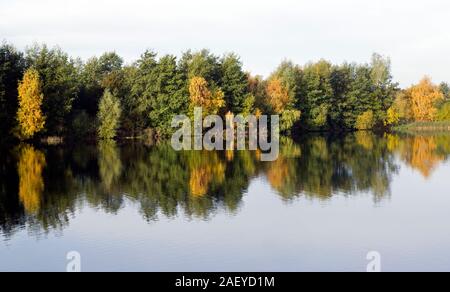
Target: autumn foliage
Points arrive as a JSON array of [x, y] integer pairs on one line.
[[424, 97], [29, 116], [277, 95], [201, 96]]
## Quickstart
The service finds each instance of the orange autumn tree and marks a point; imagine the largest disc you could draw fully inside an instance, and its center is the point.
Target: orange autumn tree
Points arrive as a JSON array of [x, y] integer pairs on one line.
[[29, 116], [201, 96], [277, 95], [423, 100]]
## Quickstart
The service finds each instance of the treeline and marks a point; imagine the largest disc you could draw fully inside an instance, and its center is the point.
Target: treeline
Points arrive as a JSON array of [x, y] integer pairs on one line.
[[44, 92]]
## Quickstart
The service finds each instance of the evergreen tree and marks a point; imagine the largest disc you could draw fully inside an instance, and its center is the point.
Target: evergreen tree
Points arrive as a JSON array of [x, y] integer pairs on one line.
[[169, 97], [234, 84], [11, 71]]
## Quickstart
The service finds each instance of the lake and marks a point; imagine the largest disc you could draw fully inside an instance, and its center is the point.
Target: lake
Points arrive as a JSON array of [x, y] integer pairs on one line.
[[322, 206]]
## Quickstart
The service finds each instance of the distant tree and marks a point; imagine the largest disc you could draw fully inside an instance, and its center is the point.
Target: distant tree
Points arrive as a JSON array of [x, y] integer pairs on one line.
[[359, 96], [29, 116], [11, 71], [443, 113], [403, 106], [381, 69], [234, 84], [288, 119], [201, 64], [277, 96], [392, 116], [143, 80], [445, 89], [281, 103], [384, 89], [169, 97], [108, 116], [60, 84], [83, 125], [316, 92], [257, 88], [248, 106], [290, 76], [211, 101], [365, 121], [424, 97], [340, 81], [320, 115], [97, 75]]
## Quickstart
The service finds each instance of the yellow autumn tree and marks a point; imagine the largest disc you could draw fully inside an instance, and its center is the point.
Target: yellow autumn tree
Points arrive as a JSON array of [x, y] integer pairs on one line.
[[201, 96], [423, 100], [31, 184], [392, 116], [29, 116], [365, 121], [277, 95]]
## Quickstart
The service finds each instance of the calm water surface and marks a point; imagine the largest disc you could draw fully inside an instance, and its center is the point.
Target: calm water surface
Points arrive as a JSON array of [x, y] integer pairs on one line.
[[322, 206]]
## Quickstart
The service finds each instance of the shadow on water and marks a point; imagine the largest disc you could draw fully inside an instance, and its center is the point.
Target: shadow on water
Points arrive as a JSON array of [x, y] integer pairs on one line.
[[41, 188]]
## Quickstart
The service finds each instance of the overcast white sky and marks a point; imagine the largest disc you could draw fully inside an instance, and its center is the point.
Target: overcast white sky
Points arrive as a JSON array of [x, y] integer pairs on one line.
[[414, 33]]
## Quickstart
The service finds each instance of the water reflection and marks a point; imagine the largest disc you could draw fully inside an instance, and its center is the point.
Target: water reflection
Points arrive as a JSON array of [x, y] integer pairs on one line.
[[41, 188], [31, 184]]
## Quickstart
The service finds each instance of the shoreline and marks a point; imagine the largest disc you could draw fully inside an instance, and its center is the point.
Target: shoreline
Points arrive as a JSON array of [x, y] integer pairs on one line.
[[423, 127]]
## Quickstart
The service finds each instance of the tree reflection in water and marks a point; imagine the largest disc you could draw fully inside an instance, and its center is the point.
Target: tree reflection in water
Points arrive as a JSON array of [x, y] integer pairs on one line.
[[43, 188]]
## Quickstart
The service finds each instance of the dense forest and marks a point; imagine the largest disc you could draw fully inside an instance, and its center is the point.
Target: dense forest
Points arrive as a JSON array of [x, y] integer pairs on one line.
[[46, 93]]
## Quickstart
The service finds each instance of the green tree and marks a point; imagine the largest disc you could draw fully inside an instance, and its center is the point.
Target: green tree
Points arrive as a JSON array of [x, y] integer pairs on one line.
[[83, 125], [201, 64], [316, 92], [143, 89], [290, 76], [257, 88], [60, 84], [108, 116], [11, 71], [98, 74], [234, 84], [385, 89], [443, 113], [340, 80], [445, 89], [168, 96], [359, 95]]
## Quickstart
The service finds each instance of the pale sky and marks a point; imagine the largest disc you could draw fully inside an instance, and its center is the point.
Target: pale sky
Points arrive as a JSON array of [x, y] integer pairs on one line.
[[414, 34]]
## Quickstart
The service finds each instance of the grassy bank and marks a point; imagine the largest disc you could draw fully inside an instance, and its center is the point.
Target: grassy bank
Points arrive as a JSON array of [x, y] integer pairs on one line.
[[419, 127]]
